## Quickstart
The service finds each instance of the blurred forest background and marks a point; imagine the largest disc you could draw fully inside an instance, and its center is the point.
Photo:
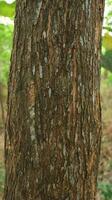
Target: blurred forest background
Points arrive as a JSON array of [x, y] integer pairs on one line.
[[7, 9]]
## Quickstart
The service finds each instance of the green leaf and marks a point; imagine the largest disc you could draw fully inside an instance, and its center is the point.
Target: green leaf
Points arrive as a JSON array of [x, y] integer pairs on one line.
[[106, 190], [106, 60], [7, 10], [107, 41], [5, 51]]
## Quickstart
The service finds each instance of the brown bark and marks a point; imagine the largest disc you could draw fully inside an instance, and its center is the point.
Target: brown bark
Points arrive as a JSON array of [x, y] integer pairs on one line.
[[2, 107], [53, 135]]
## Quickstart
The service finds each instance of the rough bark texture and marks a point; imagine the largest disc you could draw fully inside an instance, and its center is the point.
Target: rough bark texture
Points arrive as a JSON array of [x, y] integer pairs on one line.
[[53, 129]]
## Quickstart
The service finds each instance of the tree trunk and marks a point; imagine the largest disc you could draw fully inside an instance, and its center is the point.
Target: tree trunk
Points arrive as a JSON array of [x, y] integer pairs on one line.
[[53, 128], [2, 107]]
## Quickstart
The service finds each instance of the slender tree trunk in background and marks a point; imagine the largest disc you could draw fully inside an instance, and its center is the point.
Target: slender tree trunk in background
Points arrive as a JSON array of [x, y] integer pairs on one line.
[[2, 107], [53, 129]]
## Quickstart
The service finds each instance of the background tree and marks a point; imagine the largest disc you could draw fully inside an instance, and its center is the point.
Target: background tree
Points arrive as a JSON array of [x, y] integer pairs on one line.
[[53, 136], [6, 29]]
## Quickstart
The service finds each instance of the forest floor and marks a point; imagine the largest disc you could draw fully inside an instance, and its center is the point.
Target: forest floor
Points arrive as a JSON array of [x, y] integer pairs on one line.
[[105, 169]]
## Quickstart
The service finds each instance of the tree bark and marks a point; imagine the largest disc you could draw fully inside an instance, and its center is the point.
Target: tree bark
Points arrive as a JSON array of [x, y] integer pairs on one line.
[[53, 128], [2, 107]]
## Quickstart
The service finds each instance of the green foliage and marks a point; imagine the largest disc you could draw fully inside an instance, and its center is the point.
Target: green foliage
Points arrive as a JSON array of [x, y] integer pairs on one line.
[[109, 82], [108, 13], [106, 190], [107, 60], [106, 78], [5, 50], [107, 37], [6, 9], [2, 177], [107, 41]]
